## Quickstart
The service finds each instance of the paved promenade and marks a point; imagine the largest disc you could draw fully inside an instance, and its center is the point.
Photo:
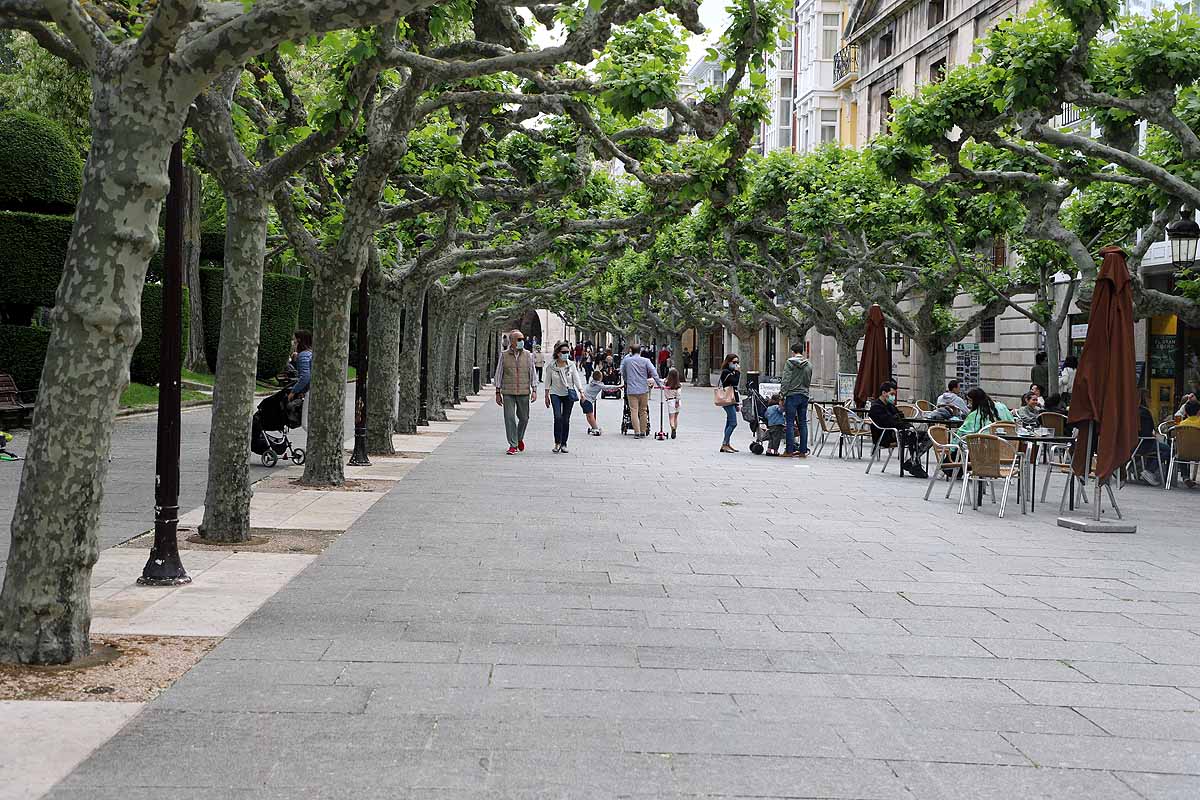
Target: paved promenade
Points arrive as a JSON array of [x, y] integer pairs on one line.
[[656, 619]]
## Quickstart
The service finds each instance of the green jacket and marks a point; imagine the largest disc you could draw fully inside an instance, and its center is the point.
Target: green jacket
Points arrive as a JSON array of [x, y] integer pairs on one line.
[[797, 376]]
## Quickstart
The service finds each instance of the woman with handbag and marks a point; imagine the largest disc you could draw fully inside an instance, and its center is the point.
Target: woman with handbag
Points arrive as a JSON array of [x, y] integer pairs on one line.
[[726, 396], [564, 387]]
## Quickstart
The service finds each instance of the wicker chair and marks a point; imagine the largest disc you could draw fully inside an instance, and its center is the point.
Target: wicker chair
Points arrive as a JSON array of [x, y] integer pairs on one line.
[[925, 405], [822, 425], [850, 429], [946, 456], [876, 446], [1001, 428], [1054, 421], [1185, 449], [988, 459], [909, 410]]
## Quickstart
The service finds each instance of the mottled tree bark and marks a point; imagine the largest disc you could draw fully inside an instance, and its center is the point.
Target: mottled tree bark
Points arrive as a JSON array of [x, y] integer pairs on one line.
[[847, 351], [384, 333], [324, 459], [194, 358], [933, 369], [227, 498], [703, 375], [45, 610], [677, 353], [409, 367]]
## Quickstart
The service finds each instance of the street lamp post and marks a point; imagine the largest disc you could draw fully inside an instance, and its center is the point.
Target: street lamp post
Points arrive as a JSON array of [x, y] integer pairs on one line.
[[423, 378], [164, 567], [359, 457], [1184, 236]]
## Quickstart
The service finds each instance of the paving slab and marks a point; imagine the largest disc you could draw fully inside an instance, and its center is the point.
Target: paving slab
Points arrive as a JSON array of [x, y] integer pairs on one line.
[[656, 619]]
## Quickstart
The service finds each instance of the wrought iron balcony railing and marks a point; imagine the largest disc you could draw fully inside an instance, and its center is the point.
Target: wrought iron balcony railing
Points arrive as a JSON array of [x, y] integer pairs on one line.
[[845, 63]]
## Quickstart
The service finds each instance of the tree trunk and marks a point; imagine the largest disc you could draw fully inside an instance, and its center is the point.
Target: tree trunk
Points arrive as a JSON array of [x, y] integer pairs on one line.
[[45, 611], [1053, 330], [384, 335], [227, 498], [324, 457], [745, 351], [703, 376], [194, 357], [847, 352], [435, 369], [409, 367], [677, 354], [933, 382]]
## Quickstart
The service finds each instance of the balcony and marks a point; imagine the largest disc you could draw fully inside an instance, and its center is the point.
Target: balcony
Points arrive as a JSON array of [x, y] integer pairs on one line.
[[845, 66]]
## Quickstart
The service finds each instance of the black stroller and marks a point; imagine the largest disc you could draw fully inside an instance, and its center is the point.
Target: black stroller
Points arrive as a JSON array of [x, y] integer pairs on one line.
[[754, 411], [276, 414], [626, 416]]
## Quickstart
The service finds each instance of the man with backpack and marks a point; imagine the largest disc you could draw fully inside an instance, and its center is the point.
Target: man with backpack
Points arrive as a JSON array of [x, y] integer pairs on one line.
[[797, 383]]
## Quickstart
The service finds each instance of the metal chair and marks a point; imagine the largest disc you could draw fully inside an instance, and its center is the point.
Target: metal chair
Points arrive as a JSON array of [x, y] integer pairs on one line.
[[988, 459], [1054, 421], [849, 428], [876, 446], [946, 455], [1185, 449], [824, 426]]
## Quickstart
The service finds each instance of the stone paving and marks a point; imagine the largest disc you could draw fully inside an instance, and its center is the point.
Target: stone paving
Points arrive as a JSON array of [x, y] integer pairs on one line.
[[655, 619]]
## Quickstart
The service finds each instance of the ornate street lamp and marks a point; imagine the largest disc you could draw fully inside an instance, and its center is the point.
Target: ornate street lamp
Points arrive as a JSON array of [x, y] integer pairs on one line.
[[1184, 236]]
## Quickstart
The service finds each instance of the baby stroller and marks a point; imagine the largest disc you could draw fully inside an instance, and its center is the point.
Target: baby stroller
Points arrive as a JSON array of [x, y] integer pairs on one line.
[[275, 413], [754, 411], [626, 416]]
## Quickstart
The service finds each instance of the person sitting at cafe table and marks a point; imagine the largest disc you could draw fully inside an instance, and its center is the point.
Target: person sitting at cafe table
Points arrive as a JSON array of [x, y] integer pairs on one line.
[[984, 412], [1191, 411], [1029, 412], [952, 400], [884, 414]]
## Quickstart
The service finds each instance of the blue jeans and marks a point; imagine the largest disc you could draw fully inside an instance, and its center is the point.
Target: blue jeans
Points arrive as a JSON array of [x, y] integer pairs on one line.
[[795, 408], [730, 421], [562, 406]]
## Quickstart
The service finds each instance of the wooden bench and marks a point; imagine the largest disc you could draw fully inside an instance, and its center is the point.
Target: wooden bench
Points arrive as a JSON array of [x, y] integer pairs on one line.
[[11, 404]]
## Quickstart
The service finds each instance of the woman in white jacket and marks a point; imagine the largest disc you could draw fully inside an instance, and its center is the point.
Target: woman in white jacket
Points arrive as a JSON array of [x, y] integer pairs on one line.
[[564, 387], [1066, 378]]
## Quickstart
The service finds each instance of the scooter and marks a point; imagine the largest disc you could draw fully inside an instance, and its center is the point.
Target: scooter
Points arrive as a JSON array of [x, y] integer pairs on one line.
[[5, 453], [662, 400]]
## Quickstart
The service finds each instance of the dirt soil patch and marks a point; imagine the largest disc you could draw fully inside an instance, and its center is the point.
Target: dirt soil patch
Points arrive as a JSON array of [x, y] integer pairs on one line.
[[348, 486], [122, 669], [262, 540]]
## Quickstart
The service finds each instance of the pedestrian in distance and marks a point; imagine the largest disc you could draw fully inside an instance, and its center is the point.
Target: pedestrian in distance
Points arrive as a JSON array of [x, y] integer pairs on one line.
[[302, 358], [797, 383], [671, 396], [564, 388], [516, 382], [664, 358], [731, 376], [539, 360], [637, 373]]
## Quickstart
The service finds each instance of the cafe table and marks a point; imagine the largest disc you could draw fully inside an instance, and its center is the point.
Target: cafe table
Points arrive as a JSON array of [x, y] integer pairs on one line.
[[927, 421], [1033, 440]]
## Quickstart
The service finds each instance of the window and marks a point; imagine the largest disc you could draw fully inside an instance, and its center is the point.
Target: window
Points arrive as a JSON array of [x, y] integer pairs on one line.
[[999, 252], [937, 12], [987, 331], [886, 43], [786, 61], [829, 125], [937, 70], [885, 111], [805, 34], [717, 78], [785, 102], [830, 34]]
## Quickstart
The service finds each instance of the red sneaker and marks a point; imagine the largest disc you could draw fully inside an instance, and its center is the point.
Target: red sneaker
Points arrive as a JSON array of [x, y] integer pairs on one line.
[[512, 451], [521, 445]]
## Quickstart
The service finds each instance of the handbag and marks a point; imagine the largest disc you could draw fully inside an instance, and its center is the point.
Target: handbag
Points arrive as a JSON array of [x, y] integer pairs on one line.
[[723, 396], [573, 395]]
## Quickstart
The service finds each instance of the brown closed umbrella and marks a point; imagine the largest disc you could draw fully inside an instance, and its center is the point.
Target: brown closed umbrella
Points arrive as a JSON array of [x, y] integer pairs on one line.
[[873, 367], [1105, 396]]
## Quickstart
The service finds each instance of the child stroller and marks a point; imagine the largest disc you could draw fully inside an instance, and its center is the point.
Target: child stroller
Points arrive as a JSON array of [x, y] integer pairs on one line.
[[626, 416], [754, 411], [275, 413]]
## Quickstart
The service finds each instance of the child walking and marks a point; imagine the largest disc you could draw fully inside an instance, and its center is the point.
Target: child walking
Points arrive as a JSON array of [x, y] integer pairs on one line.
[[671, 394], [591, 396]]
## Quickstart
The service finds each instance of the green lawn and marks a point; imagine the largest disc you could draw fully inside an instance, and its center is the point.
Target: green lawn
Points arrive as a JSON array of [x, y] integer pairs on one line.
[[197, 377], [139, 394], [351, 374]]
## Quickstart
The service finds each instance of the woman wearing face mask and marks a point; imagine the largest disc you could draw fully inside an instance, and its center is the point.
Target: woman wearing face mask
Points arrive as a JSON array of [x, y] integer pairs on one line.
[[731, 375], [564, 387]]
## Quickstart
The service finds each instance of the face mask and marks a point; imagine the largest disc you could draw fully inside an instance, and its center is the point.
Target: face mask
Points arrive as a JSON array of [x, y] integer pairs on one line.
[[890, 400], [520, 344], [563, 356], [733, 364]]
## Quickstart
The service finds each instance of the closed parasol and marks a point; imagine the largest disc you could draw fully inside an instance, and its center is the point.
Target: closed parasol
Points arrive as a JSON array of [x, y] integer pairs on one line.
[[1104, 401], [873, 367]]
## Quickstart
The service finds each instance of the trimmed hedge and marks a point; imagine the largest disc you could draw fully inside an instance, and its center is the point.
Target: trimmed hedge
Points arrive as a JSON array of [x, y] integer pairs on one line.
[[306, 306], [212, 245], [22, 353], [144, 367], [280, 312], [40, 169], [33, 248]]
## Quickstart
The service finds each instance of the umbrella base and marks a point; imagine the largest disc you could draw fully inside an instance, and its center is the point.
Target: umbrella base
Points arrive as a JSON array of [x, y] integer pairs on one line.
[[1089, 525]]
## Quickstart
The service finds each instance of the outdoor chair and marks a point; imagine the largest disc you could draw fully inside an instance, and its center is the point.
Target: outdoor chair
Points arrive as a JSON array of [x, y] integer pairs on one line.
[[1001, 428], [1147, 450], [909, 410], [877, 446], [946, 456], [988, 459], [1185, 449], [824, 426], [1054, 421], [850, 430], [925, 406], [11, 404]]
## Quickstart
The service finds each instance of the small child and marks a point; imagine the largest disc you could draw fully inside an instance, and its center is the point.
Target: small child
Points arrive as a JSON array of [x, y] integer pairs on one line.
[[776, 423], [671, 394], [591, 396]]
